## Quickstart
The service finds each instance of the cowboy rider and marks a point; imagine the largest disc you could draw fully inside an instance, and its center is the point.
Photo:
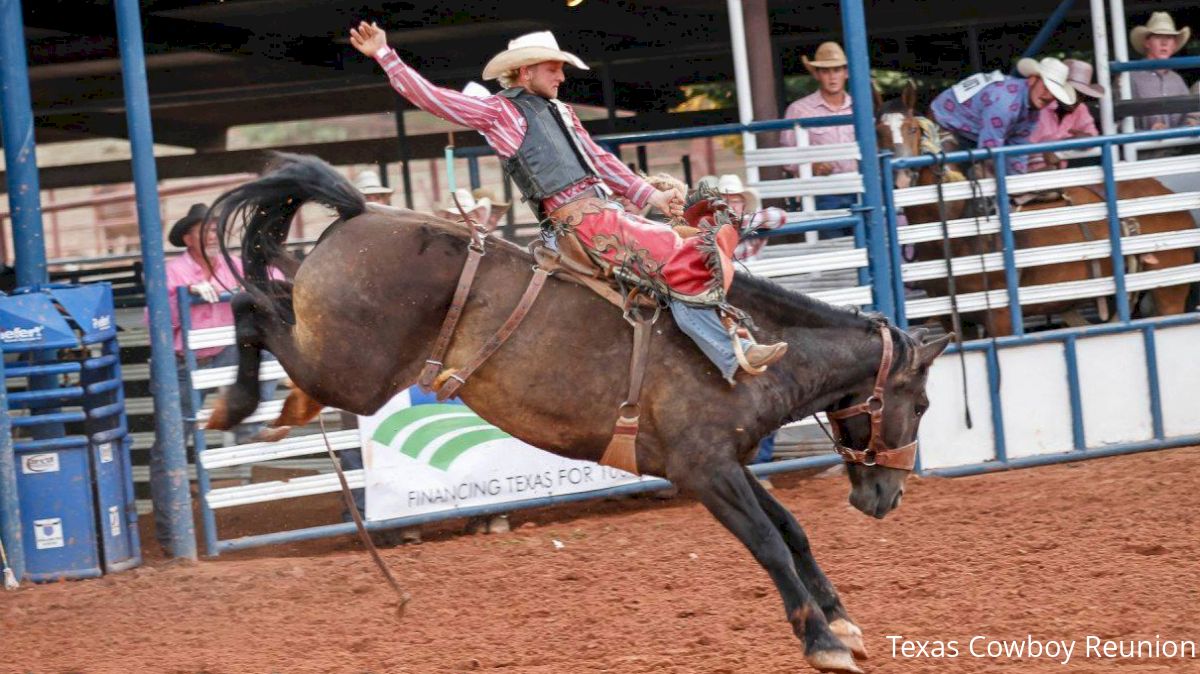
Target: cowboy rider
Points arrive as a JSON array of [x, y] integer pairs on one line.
[[989, 111], [569, 181]]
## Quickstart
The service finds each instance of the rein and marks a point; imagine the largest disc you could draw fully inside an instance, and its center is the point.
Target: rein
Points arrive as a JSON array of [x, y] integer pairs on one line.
[[877, 453]]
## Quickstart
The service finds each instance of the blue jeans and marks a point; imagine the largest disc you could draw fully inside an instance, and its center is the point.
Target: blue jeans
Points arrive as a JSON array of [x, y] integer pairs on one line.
[[243, 432], [829, 202], [766, 450], [705, 328]]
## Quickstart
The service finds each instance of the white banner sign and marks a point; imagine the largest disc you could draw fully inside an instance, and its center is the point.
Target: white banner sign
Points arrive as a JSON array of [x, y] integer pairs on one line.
[[440, 457]]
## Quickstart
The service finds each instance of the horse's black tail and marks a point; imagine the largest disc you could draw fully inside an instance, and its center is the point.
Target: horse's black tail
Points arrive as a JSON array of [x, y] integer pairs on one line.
[[261, 212]]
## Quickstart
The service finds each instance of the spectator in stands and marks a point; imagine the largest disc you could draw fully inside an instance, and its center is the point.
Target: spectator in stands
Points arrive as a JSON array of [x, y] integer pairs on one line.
[[203, 270], [478, 210], [499, 208], [373, 189], [990, 111], [745, 202], [1159, 39], [1059, 121], [828, 68]]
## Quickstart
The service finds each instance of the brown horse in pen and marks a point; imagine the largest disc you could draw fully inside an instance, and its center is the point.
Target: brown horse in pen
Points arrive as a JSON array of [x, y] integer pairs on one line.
[[356, 322], [904, 133]]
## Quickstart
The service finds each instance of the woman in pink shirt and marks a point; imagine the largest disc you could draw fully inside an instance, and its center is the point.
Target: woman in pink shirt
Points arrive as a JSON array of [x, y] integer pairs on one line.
[[1061, 122]]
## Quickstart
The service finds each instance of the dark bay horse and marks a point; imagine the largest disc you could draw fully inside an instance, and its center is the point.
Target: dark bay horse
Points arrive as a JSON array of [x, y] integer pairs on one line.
[[357, 321], [900, 130]]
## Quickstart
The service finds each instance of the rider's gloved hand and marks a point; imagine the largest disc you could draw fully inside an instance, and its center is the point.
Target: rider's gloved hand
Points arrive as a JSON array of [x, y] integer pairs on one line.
[[206, 291]]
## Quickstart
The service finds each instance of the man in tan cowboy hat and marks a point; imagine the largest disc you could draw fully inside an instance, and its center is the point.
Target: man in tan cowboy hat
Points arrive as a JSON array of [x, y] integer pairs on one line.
[[1159, 39], [994, 110], [568, 180], [372, 188], [828, 68], [1061, 122]]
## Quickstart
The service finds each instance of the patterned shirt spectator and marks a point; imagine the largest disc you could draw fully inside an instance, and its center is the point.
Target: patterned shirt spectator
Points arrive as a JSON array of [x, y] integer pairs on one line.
[[1158, 84], [814, 105], [999, 115]]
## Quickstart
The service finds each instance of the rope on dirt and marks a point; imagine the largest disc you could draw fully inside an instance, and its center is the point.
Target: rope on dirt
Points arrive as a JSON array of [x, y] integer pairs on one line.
[[363, 536]]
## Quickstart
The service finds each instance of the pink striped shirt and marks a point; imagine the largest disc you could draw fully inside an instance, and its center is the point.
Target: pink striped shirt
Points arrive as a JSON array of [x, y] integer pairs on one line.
[[503, 127], [814, 105]]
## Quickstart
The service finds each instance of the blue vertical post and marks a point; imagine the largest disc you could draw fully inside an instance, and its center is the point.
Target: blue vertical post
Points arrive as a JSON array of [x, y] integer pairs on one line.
[[20, 155], [1114, 231], [164, 385], [473, 171], [1012, 282], [854, 34], [10, 504], [893, 231]]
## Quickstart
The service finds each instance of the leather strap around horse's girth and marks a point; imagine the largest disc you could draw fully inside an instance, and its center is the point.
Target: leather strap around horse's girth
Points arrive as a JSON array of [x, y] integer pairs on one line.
[[460, 376], [465, 279], [621, 452]]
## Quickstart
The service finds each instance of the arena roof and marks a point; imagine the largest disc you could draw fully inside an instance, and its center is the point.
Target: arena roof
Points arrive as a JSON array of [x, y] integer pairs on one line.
[[214, 64]]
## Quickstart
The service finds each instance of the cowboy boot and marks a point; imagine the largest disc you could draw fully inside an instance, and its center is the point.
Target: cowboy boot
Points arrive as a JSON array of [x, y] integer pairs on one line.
[[762, 355]]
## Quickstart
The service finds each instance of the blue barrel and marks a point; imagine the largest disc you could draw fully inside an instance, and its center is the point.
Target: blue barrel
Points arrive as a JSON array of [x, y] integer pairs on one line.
[[74, 477]]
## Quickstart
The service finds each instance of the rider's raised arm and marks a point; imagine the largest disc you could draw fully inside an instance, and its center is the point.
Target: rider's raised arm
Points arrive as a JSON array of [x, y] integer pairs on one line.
[[612, 170], [453, 106]]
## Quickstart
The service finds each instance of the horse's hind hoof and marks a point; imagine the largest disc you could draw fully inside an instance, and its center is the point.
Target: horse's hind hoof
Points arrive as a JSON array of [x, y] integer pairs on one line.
[[841, 662], [271, 434], [850, 636]]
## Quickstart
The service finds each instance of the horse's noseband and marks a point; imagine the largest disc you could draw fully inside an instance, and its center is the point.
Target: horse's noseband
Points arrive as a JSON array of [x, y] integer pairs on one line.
[[877, 452]]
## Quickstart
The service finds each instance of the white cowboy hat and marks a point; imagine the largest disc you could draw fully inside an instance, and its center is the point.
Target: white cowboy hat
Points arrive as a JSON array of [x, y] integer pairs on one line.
[[1160, 23], [1054, 74], [368, 182], [731, 183], [527, 50], [479, 210]]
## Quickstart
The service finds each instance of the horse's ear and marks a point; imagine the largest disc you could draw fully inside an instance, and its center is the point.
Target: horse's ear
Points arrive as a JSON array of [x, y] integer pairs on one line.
[[909, 97], [919, 334], [927, 352]]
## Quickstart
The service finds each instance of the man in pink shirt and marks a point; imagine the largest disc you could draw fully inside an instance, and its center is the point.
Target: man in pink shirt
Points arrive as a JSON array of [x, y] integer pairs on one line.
[[203, 270], [1059, 121], [569, 181], [828, 68]]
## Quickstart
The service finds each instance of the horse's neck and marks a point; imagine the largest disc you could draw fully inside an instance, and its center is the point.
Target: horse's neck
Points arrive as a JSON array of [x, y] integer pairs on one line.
[[824, 364]]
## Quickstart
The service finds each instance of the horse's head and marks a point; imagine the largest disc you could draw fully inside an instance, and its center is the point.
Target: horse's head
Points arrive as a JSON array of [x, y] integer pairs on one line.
[[875, 426], [897, 129]]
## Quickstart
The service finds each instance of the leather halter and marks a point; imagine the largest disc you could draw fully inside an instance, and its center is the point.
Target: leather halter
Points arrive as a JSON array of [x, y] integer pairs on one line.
[[877, 452]]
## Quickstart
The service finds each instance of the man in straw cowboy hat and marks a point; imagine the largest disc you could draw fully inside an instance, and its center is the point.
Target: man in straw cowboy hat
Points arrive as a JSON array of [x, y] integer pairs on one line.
[[993, 110], [1061, 122], [828, 68], [372, 188], [569, 181], [1159, 39]]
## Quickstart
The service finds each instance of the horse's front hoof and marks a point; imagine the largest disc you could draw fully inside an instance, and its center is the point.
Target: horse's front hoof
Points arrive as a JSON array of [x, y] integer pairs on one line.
[[833, 661], [851, 636]]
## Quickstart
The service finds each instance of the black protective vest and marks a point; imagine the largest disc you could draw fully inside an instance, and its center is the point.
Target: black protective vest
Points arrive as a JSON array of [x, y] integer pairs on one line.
[[551, 156]]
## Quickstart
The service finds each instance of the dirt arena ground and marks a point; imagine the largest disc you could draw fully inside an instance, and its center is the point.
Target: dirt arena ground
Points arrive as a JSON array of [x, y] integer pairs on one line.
[[1106, 548]]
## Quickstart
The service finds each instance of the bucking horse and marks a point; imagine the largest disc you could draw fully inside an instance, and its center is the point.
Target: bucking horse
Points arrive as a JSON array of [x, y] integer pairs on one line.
[[355, 322]]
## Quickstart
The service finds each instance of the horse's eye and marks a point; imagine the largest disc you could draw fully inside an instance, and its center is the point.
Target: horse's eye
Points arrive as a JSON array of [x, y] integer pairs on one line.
[[920, 409]]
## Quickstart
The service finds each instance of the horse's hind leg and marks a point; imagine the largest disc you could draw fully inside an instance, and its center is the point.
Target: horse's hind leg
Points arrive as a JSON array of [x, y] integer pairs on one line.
[[241, 399], [298, 410], [814, 579], [727, 494]]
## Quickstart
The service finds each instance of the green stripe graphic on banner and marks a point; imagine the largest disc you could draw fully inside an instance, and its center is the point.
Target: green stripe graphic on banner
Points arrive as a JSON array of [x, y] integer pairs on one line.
[[455, 447], [465, 428], [429, 433], [391, 427]]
